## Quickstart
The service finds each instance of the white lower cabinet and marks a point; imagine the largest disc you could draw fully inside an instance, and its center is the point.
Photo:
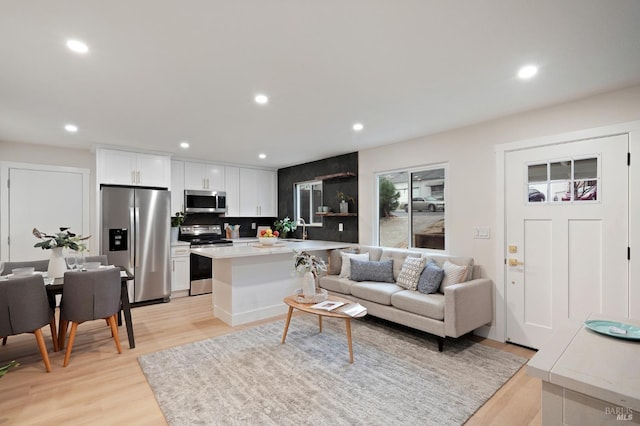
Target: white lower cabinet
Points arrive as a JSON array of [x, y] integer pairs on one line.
[[180, 271]]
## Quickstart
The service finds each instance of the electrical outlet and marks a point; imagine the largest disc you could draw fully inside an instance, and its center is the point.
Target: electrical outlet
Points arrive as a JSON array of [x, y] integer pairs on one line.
[[340, 227], [226, 225], [253, 225]]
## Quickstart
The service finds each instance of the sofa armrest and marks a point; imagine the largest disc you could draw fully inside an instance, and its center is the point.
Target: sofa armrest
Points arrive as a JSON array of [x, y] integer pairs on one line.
[[467, 306]]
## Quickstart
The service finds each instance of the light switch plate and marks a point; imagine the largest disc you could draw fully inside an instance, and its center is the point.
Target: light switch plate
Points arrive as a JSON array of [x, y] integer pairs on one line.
[[481, 233], [340, 227]]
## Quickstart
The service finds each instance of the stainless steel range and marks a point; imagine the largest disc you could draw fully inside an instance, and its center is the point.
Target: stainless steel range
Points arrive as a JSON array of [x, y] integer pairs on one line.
[[200, 236]]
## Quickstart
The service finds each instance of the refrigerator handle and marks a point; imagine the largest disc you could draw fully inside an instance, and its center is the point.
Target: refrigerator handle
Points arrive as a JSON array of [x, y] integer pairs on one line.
[[137, 223], [131, 235]]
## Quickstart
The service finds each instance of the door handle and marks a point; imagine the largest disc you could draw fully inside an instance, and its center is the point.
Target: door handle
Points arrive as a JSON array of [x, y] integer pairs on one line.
[[514, 262]]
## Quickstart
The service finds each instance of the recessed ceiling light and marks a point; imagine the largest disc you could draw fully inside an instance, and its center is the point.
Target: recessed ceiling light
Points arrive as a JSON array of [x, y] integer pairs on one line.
[[261, 99], [77, 46], [262, 156], [184, 145], [71, 128], [358, 126], [527, 71]]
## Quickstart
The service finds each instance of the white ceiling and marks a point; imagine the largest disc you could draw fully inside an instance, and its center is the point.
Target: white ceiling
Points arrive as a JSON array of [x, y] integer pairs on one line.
[[159, 72]]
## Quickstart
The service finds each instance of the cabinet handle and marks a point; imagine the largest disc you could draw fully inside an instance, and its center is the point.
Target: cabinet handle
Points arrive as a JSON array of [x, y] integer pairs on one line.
[[208, 183], [138, 176], [174, 266], [133, 176]]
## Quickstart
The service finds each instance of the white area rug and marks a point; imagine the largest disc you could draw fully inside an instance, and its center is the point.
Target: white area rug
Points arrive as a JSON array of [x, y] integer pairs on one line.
[[398, 378]]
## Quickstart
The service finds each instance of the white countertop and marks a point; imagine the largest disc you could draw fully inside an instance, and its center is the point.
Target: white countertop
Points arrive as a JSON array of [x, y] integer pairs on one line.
[[243, 240], [256, 250], [180, 243], [600, 366]]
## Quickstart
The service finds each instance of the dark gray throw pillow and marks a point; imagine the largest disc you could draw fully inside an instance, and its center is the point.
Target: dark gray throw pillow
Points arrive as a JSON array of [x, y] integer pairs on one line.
[[430, 278], [368, 270]]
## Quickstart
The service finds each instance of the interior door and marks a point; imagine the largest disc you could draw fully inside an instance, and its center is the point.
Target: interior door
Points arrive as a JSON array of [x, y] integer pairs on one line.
[[567, 228], [47, 200]]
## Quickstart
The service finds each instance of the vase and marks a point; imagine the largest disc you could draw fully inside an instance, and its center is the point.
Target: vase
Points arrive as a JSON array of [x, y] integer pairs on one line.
[[174, 234], [344, 207], [308, 285], [57, 264]]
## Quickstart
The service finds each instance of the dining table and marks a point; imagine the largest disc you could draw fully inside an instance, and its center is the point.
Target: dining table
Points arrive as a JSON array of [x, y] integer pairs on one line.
[[55, 288]]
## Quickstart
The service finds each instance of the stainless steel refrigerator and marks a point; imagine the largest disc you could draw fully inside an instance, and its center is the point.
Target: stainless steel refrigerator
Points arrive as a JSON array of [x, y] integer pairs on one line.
[[135, 234]]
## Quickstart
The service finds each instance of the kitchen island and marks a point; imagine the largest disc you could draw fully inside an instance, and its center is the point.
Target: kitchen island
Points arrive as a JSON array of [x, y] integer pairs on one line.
[[250, 282]]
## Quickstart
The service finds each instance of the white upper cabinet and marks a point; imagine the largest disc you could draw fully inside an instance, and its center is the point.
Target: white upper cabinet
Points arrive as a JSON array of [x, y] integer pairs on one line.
[[232, 188], [177, 186], [133, 168], [204, 176], [258, 192]]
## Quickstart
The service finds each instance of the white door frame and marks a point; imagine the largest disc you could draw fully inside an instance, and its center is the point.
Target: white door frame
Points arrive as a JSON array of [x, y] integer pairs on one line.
[[497, 331], [4, 196]]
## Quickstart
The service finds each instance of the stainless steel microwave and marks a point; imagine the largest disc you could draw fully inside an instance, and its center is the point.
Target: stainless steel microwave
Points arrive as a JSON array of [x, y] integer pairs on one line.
[[205, 201]]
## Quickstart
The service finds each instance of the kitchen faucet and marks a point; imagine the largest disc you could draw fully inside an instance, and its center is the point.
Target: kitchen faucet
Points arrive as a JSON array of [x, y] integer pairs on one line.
[[304, 228]]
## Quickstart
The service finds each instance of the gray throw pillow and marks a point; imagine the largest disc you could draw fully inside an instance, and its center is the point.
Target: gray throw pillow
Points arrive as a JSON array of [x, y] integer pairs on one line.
[[431, 278], [368, 270]]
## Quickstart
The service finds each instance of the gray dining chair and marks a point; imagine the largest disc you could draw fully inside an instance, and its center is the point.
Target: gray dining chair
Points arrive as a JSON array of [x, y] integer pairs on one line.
[[87, 296], [38, 265], [24, 308]]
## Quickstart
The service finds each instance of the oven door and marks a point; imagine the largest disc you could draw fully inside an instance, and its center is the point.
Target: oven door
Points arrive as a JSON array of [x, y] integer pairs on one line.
[[201, 274]]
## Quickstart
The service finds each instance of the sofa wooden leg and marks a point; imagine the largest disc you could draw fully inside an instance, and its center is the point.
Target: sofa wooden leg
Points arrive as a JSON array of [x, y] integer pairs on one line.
[[440, 343]]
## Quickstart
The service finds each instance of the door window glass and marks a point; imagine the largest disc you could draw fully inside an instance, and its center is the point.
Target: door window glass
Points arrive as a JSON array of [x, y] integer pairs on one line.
[[563, 181]]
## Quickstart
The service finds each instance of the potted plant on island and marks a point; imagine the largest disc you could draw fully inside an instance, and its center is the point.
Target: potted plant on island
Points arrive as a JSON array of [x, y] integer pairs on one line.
[[55, 243], [284, 226]]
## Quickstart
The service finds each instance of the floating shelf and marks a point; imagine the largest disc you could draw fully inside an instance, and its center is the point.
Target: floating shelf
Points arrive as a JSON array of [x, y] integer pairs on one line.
[[336, 214], [336, 176]]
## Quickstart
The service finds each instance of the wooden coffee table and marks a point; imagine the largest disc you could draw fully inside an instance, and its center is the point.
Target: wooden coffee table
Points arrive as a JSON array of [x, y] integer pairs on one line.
[[306, 307]]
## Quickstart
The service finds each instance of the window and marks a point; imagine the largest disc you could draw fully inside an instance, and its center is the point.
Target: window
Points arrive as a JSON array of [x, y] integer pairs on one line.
[[572, 180], [307, 199], [419, 223]]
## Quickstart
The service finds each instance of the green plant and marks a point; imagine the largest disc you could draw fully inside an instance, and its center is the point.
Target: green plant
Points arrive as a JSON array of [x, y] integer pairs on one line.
[[64, 238], [177, 219], [4, 369], [388, 197], [344, 198], [285, 225]]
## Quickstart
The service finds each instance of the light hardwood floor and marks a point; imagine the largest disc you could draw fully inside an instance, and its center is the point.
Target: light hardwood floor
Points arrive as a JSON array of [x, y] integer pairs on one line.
[[100, 387]]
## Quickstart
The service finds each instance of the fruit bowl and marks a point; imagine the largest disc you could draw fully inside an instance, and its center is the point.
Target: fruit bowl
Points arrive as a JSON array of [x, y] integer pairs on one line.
[[268, 241]]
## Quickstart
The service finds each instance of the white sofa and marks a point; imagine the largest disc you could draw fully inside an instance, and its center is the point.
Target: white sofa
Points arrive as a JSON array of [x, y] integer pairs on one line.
[[459, 309]]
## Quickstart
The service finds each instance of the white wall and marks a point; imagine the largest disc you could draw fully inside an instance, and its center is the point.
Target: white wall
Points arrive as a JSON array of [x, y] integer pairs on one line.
[[54, 156], [470, 153]]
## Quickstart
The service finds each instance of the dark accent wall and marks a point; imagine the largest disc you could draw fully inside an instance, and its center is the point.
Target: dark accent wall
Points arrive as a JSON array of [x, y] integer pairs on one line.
[[288, 176]]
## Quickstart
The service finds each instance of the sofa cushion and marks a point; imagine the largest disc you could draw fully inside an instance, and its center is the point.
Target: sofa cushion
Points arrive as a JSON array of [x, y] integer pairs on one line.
[[431, 278], [335, 260], [456, 260], [362, 270], [453, 274], [398, 256], [410, 273], [428, 305], [375, 292], [336, 284], [345, 271]]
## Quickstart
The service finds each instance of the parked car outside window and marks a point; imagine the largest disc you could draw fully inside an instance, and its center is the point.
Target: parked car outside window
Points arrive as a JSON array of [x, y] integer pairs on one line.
[[535, 195], [430, 204]]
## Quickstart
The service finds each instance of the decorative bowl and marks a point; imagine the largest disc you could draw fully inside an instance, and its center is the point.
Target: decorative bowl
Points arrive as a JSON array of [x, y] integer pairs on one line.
[[23, 272], [268, 241], [91, 265], [321, 296]]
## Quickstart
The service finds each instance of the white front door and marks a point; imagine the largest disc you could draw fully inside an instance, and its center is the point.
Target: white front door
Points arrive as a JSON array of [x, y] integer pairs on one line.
[[566, 255]]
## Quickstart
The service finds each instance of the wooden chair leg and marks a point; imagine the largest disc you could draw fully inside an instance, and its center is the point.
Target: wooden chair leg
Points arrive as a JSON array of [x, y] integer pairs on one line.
[[4, 340], [62, 333], [54, 334], [72, 336], [114, 332], [43, 349]]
